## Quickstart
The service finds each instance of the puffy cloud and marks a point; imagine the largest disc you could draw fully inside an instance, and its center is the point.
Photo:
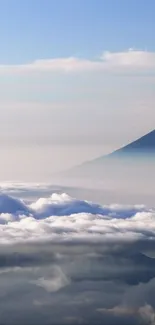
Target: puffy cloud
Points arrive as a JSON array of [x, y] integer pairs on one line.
[[62, 218], [64, 260], [148, 314], [145, 312], [131, 58]]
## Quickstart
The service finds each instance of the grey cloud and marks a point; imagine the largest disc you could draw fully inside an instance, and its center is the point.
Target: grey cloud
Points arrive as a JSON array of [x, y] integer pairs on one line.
[[69, 261]]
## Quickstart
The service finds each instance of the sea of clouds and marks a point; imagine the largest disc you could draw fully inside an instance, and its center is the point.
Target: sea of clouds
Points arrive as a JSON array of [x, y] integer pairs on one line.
[[69, 261]]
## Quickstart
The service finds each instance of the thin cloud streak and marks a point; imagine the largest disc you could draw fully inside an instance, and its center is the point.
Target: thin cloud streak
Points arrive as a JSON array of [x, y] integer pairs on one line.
[[109, 61]]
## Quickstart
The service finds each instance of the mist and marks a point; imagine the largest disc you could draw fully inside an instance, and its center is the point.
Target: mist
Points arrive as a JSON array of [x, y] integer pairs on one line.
[[117, 180]]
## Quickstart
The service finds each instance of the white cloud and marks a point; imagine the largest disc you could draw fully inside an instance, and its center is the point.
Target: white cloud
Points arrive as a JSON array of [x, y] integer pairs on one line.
[[131, 58], [61, 218], [136, 59], [146, 312], [54, 282]]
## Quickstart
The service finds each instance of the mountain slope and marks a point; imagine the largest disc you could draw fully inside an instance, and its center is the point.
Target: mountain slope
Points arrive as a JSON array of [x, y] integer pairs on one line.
[[143, 146], [135, 153], [128, 171]]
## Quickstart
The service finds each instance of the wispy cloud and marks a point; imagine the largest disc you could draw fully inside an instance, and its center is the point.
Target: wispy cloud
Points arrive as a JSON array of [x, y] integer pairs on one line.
[[108, 61]]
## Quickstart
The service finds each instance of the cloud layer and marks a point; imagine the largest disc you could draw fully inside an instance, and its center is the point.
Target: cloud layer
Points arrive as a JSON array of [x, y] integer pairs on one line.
[[62, 218], [115, 89], [130, 59], [69, 261]]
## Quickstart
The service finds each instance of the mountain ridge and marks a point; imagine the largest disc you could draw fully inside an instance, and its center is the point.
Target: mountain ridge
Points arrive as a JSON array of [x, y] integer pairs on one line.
[[143, 148], [144, 144]]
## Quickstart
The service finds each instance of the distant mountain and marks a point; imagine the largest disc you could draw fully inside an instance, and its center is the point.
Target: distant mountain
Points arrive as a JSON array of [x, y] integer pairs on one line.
[[139, 151], [125, 173], [144, 146]]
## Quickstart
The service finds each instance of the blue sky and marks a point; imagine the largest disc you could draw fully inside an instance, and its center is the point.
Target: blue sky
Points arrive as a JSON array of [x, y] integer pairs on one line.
[[58, 28]]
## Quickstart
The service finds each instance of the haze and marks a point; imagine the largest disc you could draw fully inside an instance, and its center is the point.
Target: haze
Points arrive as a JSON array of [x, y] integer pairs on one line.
[[64, 107]]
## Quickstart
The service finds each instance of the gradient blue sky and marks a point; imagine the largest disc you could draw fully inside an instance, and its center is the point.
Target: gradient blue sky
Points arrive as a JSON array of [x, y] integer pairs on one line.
[[77, 80], [84, 28]]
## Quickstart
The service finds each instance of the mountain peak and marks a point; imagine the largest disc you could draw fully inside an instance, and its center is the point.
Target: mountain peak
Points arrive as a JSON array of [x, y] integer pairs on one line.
[[143, 148], [144, 145]]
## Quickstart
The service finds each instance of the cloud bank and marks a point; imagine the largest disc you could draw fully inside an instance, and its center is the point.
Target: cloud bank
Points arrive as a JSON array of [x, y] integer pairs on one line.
[[69, 261], [108, 61], [62, 218], [115, 89]]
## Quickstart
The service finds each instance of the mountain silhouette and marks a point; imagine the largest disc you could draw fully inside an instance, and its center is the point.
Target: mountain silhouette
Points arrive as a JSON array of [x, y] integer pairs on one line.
[[125, 175], [145, 143], [134, 153], [144, 146]]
